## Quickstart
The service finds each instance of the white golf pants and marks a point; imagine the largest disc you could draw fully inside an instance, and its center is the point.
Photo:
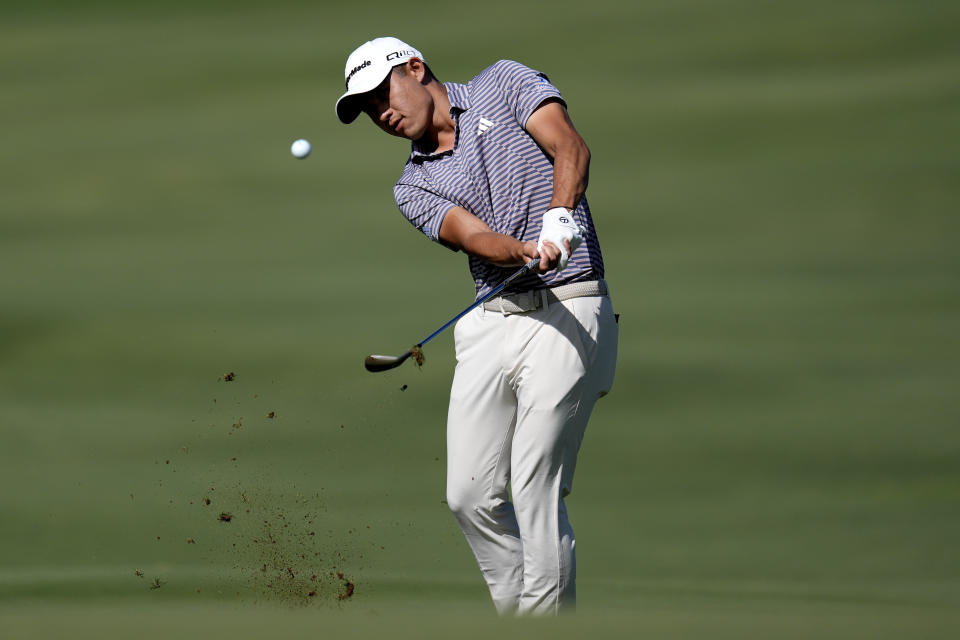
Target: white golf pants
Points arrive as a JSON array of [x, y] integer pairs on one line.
[[523, 389]]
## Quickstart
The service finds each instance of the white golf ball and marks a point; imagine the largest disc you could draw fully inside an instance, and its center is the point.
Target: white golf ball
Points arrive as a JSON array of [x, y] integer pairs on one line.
[[300, 148]]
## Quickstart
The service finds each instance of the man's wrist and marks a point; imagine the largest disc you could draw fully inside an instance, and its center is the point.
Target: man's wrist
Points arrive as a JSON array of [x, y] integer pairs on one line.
[[528, 251]]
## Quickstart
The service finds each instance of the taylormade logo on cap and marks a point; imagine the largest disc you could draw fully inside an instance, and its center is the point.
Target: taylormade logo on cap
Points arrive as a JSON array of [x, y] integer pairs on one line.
[[366, 68], [366, 63]]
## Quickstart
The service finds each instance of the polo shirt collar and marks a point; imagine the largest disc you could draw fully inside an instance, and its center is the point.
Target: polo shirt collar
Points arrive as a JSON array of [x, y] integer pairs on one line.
[[459, 99]]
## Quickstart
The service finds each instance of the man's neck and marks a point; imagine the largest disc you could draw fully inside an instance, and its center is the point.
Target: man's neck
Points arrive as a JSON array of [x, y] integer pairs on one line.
[[442, 133]]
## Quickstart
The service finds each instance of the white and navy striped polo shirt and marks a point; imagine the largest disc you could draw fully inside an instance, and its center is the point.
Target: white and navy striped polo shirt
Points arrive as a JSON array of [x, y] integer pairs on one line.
[[497, 172]]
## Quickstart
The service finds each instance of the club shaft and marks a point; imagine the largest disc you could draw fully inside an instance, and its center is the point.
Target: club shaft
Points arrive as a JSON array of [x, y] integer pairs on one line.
[[530, 266]]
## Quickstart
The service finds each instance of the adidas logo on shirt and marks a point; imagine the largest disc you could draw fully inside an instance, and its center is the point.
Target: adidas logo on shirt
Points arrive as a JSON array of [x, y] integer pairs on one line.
[[484, 125]]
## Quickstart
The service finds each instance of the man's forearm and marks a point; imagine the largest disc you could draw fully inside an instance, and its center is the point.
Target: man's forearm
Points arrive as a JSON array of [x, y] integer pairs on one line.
[[571, 171], [464, 231], [494, 247]]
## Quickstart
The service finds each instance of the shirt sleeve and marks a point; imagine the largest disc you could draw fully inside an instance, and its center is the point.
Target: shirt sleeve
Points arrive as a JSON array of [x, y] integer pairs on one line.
[[424, 209], [524, 89]]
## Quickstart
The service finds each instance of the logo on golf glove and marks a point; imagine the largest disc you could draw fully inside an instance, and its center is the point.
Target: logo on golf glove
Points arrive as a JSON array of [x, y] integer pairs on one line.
[[558, 225]]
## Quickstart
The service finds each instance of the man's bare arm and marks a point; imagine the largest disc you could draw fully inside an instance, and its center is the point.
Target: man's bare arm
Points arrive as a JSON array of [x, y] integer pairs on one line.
[[551, 127]]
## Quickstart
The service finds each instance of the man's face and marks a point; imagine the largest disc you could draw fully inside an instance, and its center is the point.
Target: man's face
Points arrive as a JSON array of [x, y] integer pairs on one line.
[[401, 105]]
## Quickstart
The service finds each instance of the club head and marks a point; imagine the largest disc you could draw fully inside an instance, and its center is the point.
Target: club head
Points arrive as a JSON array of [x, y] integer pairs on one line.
[[383, 363]]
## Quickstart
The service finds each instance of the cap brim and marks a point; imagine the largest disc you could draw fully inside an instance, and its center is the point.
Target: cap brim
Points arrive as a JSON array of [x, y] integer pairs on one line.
[[348, 106]]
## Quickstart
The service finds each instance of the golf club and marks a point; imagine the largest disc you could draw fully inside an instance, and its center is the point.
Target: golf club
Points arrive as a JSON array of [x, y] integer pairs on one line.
[[383, 363]]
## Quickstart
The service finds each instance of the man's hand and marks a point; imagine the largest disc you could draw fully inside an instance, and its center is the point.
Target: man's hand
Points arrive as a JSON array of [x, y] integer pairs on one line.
[[562, 233], [549, 255]]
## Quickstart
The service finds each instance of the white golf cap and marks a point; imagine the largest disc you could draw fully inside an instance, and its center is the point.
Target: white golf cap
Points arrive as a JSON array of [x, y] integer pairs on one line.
[[366, 68]]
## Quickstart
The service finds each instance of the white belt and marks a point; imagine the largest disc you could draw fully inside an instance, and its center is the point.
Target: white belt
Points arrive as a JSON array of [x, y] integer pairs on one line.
[[540, 298]]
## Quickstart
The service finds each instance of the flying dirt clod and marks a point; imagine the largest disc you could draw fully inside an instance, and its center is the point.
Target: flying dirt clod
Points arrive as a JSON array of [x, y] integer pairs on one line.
[[417, 354]]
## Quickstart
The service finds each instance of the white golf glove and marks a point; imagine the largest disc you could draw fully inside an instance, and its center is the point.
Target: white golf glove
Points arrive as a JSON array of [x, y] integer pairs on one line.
[[559, 225]]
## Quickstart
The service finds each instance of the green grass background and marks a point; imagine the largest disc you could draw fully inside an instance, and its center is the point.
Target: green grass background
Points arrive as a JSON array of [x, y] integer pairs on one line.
[[776, 189]]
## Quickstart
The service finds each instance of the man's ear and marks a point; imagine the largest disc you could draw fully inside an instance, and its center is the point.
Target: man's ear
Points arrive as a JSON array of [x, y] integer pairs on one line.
[[416, 68]]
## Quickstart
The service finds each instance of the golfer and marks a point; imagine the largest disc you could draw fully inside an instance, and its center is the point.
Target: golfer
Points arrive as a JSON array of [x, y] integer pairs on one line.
[[496, 170]]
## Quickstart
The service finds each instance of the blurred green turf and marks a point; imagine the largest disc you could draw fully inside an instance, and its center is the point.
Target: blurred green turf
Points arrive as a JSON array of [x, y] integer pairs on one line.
[[776, 192]]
